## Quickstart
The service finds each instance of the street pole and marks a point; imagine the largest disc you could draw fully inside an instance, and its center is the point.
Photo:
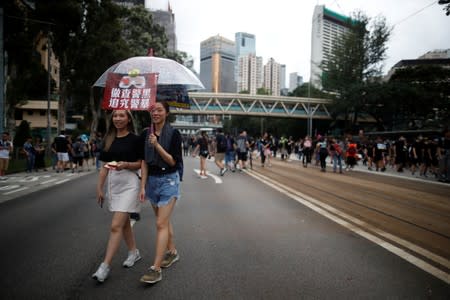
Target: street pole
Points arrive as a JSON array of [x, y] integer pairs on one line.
[[2, 78], [309, 124], [49, 78]]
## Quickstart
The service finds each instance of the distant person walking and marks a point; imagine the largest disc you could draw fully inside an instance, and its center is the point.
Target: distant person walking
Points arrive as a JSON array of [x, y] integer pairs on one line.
[[221, 148], [242, 146], [122, 155], [30, 153], [307, 151], [6, 148], [62, 145], [203, 152]]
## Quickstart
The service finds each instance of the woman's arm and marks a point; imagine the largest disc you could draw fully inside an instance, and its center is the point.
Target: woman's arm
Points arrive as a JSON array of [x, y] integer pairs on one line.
[[100, 183], [144, 176]]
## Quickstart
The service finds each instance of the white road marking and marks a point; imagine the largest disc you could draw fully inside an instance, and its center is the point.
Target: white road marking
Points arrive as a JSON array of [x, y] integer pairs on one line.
[[29, 179], [48, 181], [216, 178], [62, 181], [339, 217], [15, 191], [8, 187]]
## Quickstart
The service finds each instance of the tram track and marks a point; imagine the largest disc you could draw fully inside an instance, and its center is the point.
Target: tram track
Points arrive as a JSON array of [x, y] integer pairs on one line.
[[422, 220]]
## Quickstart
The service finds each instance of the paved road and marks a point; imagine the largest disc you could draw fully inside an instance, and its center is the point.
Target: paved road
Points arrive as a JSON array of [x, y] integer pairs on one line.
[[239, 236]]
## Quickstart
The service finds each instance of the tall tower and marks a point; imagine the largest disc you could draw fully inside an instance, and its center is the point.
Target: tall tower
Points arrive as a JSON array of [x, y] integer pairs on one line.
[[272, 72], [163, 15], [294, 81], [217, 58], [245, 45], [250, 73], [327, 27]]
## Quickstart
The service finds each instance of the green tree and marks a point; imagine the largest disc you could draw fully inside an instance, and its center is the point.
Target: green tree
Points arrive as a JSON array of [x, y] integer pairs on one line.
[[423, 99], [22, 133], [446, 4], [305, 90], [355, 60]]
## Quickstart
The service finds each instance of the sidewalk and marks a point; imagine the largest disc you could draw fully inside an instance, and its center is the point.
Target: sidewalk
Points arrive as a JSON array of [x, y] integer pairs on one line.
[[359, 167]]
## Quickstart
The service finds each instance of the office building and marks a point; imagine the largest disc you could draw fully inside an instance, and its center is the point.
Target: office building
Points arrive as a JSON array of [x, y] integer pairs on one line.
[[130, 3], [294, 81], [217, 58], [250, 73], [163, 15], [272, 72], [245, 45], [441, 53], [327, 28]]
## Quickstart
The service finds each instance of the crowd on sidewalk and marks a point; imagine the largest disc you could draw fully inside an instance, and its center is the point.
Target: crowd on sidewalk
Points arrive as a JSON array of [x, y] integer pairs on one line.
[[72, 153]]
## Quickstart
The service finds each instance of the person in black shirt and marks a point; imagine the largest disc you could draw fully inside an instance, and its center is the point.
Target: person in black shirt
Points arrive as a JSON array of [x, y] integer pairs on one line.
[[444, 156], [203, 152], [161, 185], [122, 155]]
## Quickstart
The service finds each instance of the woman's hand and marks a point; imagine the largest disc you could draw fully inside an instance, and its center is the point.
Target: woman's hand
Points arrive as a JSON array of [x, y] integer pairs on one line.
[[100, 197], [122, 165], [142, 195], [152, 139]]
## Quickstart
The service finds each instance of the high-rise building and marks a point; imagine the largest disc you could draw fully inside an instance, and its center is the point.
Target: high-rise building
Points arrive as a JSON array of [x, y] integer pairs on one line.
[[294, 81], [163, 15], [272, 72], [217, 58], [245, 45], [441, 53], [250, 73], [130, 3], [327, 27]]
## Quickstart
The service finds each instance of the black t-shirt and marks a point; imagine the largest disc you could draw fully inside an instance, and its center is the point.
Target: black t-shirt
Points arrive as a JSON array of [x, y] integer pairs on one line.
[[61, 144], [444, 144], [128, 148], [221, 143]]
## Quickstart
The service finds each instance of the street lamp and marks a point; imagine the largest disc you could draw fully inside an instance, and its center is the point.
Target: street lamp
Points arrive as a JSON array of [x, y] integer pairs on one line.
[[49, 79]]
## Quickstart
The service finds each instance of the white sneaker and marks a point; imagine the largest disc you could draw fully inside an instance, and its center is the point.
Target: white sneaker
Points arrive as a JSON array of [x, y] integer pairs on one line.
[[133, 257], [102, 272]]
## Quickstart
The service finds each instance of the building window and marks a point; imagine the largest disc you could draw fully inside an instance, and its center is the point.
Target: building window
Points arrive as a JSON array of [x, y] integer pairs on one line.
[[42, 112], [30, 112]]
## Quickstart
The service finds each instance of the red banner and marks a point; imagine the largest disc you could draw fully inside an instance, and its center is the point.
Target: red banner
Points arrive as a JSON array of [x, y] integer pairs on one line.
[[123, 91]]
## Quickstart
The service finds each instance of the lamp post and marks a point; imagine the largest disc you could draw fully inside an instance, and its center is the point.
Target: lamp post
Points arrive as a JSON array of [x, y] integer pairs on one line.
[[309, 124], [49, 79]]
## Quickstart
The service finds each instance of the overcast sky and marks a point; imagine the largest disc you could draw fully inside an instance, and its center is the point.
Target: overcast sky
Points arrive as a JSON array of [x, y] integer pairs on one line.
[[283, 27]]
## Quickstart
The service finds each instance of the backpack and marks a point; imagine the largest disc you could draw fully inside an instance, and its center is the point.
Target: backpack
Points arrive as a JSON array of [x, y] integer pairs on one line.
[[352, 150], [337, 148], [221, 143]]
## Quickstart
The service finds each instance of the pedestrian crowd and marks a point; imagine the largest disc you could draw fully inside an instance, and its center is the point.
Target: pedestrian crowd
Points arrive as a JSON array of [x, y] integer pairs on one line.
[[74, 154], [426, 157]]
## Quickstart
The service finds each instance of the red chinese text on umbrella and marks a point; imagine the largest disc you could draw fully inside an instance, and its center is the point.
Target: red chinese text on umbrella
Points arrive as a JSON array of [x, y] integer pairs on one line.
[[123, 91]]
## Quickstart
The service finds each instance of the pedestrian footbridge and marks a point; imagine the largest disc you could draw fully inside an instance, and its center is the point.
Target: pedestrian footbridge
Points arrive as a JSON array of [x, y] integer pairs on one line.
[[256, 105]]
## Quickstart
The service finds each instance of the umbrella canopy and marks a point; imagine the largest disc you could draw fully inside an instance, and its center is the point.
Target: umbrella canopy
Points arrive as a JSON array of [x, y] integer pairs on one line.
[[169, 71]]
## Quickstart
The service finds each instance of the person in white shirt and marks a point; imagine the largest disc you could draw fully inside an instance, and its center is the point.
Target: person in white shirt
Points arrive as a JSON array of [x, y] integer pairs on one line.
[[6, 147]]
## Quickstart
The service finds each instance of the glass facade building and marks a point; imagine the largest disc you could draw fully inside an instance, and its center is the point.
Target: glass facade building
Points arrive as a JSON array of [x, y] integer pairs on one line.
[[217, 59]]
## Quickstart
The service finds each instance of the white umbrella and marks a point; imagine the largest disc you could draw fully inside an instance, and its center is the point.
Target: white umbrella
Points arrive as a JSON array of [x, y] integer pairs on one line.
[[170, 72]]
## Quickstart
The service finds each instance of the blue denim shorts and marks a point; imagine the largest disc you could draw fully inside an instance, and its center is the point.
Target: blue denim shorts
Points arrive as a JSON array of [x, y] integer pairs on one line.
[[160, 189]]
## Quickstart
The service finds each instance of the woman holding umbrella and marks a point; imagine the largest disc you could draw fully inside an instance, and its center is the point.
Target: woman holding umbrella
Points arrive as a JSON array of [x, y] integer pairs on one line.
[[122, 154], [161, 185]]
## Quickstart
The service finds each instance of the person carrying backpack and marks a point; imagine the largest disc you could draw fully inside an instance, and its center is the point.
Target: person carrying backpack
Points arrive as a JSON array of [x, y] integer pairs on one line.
[[221, 148]]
